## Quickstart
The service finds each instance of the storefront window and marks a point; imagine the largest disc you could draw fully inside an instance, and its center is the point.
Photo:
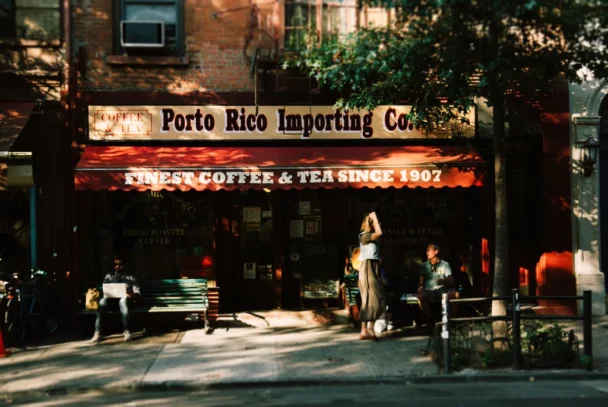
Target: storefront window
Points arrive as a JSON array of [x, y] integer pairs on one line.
[[163, 235], [265, 249], [413, 218]]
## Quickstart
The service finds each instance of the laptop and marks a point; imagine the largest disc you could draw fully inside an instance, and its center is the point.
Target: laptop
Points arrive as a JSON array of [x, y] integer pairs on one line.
[[114, 290]]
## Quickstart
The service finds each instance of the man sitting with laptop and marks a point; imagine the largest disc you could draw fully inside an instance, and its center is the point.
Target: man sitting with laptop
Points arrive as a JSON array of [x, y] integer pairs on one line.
[[119, 288]]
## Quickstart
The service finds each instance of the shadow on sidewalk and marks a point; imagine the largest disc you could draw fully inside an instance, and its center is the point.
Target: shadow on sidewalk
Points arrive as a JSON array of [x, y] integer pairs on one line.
[[233, 353]]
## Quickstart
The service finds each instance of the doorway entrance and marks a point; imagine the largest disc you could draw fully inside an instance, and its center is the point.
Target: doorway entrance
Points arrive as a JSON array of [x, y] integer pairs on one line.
[[245, 252]]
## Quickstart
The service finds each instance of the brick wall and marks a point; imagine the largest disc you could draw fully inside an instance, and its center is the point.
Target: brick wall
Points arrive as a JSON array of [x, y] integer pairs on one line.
[[215, 36]]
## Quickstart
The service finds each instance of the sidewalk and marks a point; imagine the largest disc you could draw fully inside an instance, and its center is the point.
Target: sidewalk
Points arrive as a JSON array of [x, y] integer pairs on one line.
[[253, 349]]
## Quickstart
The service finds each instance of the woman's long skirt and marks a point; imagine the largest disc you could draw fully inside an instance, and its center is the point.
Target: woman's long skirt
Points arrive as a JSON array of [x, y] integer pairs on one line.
[[373, 296]]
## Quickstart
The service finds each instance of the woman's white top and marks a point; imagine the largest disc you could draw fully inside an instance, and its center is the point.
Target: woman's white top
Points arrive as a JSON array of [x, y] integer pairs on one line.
[[369, 251]]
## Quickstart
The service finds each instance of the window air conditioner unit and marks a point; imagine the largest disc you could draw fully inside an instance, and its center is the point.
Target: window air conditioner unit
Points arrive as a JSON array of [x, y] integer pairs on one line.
[[142, 34]]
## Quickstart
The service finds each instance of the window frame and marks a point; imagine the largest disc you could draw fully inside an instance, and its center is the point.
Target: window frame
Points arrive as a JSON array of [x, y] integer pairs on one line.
[[19, 34], [118, 8], [316, 18]]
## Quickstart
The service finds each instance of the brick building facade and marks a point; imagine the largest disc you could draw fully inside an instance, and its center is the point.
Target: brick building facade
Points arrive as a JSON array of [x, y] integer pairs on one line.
[[227, 53], [217, 52]]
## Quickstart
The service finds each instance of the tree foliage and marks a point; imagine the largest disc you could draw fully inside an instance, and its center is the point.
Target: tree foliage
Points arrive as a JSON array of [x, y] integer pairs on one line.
[[457, 50]]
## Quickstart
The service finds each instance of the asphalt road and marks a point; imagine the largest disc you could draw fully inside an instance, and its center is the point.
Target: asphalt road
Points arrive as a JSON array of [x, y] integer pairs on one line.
[[512, 394]]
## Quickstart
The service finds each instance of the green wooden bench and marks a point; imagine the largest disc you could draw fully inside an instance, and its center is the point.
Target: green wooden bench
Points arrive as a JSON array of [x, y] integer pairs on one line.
[[169, 296]]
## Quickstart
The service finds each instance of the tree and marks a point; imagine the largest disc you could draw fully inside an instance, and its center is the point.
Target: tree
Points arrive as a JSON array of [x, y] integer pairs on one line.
[[440, 56]]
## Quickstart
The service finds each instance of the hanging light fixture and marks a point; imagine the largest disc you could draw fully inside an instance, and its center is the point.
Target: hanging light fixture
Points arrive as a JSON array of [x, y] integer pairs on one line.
[[589, 148]]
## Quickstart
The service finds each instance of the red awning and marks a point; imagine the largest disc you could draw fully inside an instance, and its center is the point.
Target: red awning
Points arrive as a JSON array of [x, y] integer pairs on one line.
[[209, 168]]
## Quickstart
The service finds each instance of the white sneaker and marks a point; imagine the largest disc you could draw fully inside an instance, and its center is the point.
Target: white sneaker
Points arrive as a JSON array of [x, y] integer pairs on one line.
[[128, 336], [96, 337]]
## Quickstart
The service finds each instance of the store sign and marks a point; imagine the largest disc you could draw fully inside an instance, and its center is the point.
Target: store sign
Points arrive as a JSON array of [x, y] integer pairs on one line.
[[258, 123], [273, 179], [401, 235], [324, 178], [154, 236], [143, 218]]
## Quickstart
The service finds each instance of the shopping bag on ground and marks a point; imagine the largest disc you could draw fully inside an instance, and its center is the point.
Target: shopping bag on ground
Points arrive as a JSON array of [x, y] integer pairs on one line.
[[380, 325]]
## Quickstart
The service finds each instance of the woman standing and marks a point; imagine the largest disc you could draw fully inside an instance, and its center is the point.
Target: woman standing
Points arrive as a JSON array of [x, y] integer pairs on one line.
[[373, 298]]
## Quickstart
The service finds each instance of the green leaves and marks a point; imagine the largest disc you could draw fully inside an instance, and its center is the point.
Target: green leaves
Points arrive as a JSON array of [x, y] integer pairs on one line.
[[441, 55]]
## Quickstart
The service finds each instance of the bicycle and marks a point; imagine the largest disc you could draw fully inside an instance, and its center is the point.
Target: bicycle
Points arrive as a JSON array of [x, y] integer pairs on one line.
[[38, 308]]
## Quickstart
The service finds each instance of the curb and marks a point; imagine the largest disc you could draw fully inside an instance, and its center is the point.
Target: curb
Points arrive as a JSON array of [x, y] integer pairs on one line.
[[530, 376], [405, 380]]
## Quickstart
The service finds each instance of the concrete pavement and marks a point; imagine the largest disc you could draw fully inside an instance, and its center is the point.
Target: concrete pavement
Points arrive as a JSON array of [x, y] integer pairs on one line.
[[252, 349]]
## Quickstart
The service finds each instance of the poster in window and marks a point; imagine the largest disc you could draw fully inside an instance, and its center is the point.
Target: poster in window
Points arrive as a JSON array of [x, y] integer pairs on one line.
[[312, 227], [252, 218], [249, 271], [252, 214], [296, 229], [304, 208]]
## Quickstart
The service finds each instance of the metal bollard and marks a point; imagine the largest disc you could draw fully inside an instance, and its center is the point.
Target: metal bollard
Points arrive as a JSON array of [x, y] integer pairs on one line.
[[517, 361], [445, 334]]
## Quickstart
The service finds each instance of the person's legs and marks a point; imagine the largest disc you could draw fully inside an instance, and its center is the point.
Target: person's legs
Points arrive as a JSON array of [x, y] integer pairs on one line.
[[364, 328], [424, 302], [367, 330], [101, 311], [425, 299], [363, 284], [123, 305]]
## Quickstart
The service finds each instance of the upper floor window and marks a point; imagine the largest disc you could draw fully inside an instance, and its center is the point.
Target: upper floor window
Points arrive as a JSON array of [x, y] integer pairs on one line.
[[38, 20], [149, 27], [313, 21], [323, 21]]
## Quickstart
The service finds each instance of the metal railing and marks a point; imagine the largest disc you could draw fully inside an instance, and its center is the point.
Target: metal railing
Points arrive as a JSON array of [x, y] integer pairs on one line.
[[515, 319]]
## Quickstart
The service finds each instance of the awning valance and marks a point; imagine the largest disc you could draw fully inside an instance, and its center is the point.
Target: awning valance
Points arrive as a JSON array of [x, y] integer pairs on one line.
[[213, 168], [13, 118]]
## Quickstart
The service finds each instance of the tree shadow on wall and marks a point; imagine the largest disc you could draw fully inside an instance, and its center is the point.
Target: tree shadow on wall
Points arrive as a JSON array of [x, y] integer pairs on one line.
[[30, 73]]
